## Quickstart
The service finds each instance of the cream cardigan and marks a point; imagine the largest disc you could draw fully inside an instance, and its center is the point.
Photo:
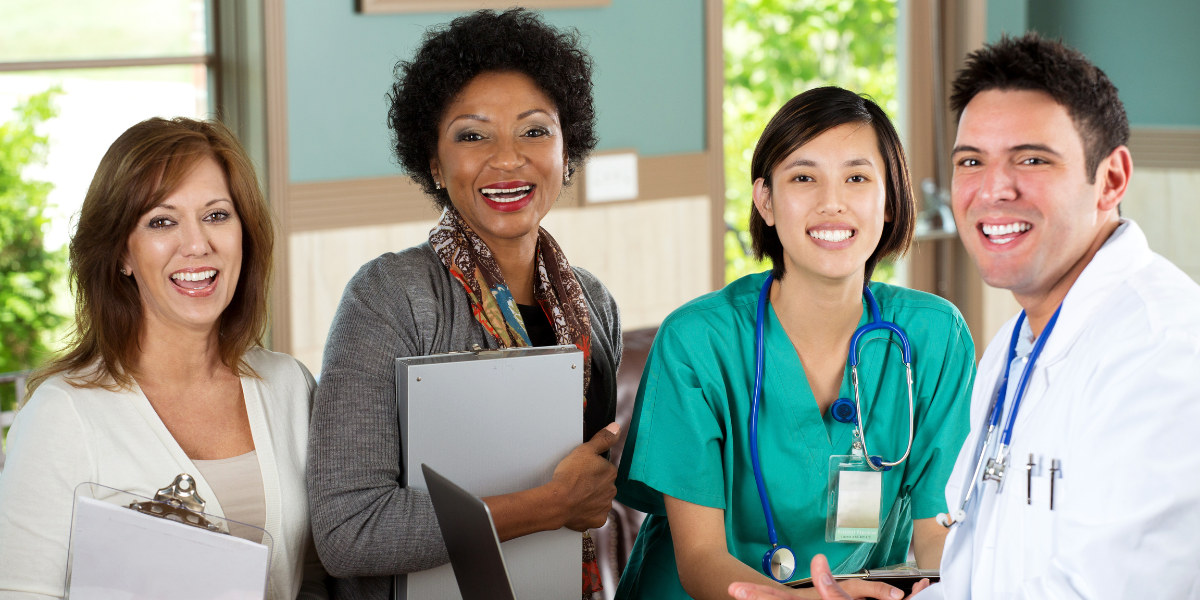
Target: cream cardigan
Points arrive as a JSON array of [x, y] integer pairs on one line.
[[65, 436]]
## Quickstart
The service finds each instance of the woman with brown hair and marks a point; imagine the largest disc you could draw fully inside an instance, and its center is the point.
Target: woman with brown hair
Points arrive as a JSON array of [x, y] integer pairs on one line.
[[166, 373]]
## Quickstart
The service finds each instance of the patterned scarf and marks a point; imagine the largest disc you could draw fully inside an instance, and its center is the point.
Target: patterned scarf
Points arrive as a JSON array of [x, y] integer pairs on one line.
[[555, 288]]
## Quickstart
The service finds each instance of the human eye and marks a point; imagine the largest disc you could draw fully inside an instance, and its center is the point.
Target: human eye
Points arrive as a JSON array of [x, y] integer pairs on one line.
[[160, 222], [857, 179], [803, 178], [469, 136], [537, 132], [1035, 160], [217, 216], [969, 162]]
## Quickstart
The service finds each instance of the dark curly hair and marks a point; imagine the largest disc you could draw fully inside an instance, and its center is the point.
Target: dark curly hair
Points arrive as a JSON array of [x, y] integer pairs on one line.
[[1030, 62], [452, 55]]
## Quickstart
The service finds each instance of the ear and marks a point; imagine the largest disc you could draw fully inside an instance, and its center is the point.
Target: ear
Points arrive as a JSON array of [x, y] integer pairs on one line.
[[1112, 178], [762, 201], [435, 169]]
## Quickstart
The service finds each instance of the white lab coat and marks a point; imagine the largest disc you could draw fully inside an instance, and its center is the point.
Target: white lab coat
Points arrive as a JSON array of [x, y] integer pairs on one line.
[[1115, 397]]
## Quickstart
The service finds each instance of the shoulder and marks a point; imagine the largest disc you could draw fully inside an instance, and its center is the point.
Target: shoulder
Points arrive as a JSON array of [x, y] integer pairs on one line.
[[717, 309], [1165, 295], [411, 270], [917, 305], [270, 365]]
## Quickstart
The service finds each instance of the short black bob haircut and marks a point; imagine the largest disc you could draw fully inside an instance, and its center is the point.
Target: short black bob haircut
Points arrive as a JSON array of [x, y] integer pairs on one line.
[[1030, 62], [450, 56], [801, 120]]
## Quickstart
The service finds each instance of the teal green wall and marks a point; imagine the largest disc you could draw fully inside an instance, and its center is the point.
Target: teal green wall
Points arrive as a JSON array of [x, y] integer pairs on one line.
[[1006, 16], [649, 80], [1150, 49]]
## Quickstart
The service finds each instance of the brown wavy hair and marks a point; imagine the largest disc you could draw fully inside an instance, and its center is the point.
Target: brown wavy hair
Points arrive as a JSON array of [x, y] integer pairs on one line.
[[142, 168]]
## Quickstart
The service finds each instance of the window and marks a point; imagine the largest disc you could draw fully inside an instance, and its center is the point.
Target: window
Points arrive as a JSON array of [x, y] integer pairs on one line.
[[107, 65]]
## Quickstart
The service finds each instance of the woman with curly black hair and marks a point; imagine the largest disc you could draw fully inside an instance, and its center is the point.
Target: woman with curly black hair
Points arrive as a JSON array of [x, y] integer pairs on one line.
[[491, 118]]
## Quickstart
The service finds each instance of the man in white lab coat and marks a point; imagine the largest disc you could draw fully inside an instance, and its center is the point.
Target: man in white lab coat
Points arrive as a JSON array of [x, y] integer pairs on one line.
[[1100, 494]]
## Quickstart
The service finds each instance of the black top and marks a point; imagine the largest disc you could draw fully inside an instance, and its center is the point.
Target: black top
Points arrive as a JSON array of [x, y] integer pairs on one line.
[[537, 325]]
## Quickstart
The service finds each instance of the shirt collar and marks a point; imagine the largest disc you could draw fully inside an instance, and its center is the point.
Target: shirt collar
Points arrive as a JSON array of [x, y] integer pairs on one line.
[[1124, 252]]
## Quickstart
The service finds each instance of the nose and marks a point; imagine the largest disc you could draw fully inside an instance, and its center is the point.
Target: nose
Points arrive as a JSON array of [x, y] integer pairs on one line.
[[507, 156], [997, 184], [194, 240], [832, 200]]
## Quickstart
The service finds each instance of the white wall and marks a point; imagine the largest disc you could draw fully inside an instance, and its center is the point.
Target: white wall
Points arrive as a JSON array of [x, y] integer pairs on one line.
[[653, 256]]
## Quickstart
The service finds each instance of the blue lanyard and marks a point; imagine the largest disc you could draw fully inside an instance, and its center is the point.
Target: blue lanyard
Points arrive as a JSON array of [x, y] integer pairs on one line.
[[1025, 374]]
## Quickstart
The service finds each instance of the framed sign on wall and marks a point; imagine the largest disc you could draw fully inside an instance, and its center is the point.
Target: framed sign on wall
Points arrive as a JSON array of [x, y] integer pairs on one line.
[[412, 6]]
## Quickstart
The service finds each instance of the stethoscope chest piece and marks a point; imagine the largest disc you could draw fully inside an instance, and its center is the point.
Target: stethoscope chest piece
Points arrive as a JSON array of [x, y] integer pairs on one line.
[[779, 563]]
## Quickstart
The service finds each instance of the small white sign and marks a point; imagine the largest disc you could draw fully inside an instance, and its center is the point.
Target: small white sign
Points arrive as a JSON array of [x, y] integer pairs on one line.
[[612, 177]]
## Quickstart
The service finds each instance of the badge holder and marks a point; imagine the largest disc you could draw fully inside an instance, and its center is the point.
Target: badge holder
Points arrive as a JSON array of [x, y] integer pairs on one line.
[[855, 491]]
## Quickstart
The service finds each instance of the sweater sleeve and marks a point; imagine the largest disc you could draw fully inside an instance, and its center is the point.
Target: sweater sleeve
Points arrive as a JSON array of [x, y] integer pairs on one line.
[[48, 455], [364, 523]]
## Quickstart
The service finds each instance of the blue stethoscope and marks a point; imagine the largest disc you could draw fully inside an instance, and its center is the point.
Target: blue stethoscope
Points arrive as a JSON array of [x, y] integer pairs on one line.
[[779, 563], [995, 466]]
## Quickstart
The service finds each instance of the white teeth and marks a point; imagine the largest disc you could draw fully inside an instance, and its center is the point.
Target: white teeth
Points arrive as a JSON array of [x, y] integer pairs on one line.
[[990, 230], [199, 276], [832, 235], [492, 192]]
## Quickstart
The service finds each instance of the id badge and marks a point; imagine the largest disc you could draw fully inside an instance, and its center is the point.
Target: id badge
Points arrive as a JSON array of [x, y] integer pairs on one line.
[[855, 492]]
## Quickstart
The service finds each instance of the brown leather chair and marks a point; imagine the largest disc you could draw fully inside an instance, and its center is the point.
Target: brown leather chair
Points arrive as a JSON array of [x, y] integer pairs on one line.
[[614, 541]]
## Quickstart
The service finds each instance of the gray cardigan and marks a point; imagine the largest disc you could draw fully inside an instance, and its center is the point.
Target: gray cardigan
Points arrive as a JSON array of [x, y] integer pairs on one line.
[[366, 527]]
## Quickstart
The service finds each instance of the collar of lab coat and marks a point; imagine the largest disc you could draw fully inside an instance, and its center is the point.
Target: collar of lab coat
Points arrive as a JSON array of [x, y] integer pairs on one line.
[[1123, 254]]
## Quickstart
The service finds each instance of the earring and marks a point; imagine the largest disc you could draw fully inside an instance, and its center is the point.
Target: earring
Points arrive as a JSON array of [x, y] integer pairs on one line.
[[566, 176], [437, 185], [125, 271]]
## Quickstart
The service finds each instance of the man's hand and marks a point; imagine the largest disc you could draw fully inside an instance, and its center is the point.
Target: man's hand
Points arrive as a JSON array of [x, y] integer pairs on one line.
[[825, 585]]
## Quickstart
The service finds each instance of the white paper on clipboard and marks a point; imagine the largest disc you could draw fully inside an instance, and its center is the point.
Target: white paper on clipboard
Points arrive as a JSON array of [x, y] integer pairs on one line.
[[121, 554]]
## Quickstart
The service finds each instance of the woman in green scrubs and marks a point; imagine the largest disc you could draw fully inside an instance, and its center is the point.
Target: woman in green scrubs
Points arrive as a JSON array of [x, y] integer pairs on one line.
[[831, 199]]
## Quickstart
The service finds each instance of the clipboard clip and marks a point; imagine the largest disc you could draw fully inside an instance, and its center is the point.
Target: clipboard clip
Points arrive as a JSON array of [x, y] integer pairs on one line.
[[178, 502]]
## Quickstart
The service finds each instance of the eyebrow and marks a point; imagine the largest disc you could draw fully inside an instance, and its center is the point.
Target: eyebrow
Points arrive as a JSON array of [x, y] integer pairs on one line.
[[1018, 148], [206, 205], [474, 117], [854, 162]]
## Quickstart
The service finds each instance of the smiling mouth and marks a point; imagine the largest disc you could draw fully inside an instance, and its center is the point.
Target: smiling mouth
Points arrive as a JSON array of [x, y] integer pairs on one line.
[[507, 195], [1003, 234], [194, 281], [832, 235]]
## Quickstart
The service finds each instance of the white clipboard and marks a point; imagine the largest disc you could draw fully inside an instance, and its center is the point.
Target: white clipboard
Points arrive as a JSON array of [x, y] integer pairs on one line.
[[125, 546]]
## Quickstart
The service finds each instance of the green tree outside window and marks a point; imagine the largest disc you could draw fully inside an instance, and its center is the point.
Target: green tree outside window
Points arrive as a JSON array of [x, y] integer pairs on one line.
[[28, 271], [775, 49]]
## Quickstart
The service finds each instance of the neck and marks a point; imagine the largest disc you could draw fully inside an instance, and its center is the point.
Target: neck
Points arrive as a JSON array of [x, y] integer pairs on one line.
[[818, 311], [1040, 305], [174, 353], [516, 259]]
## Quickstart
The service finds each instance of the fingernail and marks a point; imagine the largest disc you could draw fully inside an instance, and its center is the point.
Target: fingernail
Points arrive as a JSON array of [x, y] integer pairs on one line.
[[742, 594], [897, 594], [826, 579], [614, 427]]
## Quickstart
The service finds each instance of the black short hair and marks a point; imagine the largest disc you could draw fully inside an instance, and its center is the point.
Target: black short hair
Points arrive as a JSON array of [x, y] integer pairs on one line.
[[1030, 62], [801, 120], [450, 56]]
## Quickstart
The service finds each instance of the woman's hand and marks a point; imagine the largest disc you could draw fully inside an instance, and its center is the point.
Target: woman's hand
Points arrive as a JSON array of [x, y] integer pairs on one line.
[[583, 483], [828, 589]]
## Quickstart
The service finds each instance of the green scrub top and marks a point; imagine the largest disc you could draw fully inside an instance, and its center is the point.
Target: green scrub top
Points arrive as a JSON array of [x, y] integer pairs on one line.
[[689, 436]]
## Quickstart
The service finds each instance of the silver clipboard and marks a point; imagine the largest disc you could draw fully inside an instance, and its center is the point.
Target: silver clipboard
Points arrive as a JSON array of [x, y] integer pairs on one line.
[[124, 545], [495, 422]]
